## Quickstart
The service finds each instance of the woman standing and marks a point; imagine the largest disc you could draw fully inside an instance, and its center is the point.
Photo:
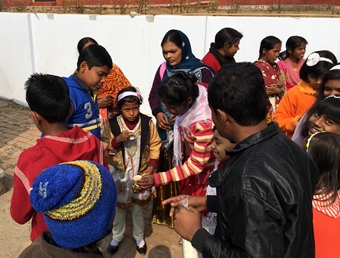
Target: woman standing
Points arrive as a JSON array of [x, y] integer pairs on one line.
[[178, 57], [222, 51]]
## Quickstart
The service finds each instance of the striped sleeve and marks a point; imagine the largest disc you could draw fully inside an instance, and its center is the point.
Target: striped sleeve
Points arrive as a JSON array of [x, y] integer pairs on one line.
[[202, 136]]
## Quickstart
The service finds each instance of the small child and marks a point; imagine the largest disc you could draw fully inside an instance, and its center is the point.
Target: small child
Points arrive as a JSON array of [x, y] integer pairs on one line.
[[330, 86], [94, 64], [219, 146], [325, 117], [49, 100], [300, 98], [78, 212], [107, 94], [136, 140], [324, 150]]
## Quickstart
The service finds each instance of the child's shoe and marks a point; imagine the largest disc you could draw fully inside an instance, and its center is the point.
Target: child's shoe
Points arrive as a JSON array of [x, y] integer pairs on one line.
[[142, 250]]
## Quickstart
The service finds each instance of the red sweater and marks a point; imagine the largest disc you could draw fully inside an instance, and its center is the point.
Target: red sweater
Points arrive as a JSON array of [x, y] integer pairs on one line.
[[210, 60], [50, 150], [326, 221]]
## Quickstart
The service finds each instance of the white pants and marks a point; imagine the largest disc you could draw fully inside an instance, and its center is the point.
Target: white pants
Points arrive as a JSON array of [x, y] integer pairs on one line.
[[137, 223]]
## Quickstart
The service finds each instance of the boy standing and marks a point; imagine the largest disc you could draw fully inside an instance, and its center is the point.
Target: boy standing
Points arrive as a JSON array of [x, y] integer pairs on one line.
[[49, 101], [94, 64]]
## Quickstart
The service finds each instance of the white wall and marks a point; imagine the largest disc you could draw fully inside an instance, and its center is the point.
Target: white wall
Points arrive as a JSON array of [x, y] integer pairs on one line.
[[46, 43]]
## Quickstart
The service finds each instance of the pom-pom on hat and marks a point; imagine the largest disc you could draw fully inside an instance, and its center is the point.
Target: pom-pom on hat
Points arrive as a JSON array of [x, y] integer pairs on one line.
[[78, 201]]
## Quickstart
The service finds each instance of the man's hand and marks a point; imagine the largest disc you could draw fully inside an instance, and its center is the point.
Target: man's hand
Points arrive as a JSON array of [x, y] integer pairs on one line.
[[146, 182], [197, 202], [187, 221], [105, 102]]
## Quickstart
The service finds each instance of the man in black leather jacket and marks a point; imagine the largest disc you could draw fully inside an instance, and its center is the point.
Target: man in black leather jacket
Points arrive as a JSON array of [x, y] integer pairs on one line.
[[264, 193]]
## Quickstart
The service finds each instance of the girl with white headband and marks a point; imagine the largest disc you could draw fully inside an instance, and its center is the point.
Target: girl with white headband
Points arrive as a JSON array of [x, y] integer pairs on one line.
[[134, 136], [330, 86], [300, 98]]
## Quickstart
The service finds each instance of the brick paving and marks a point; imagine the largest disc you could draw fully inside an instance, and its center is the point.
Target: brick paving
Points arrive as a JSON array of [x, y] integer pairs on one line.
[[17, 133]]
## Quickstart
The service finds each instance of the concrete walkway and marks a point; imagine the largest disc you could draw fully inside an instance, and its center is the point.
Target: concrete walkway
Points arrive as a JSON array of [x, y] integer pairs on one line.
[[17, 133]]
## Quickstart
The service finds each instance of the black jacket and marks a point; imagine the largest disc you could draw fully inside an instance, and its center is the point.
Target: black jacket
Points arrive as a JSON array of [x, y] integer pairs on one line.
[[264, 201]]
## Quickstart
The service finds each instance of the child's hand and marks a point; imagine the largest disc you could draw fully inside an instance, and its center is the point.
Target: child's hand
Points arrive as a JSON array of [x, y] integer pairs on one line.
[[105, 102], [107, 148], [162, 121], [146, 182], [149, 171], [123, 136], [272, 89]]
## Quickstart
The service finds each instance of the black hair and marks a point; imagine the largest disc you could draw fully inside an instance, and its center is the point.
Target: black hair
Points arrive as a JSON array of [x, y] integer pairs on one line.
[[174, 37], [95, 55], [48, 95], [329, 107], [292, 43], [129, 99], [226, 35], [178, 88], [239, 90], [83, 42], [330, 75], [320, 68], [268, 43], [324, 150]]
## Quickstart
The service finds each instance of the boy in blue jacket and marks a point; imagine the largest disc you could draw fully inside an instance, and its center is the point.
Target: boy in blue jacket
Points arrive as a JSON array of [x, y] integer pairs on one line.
[[94, 64]]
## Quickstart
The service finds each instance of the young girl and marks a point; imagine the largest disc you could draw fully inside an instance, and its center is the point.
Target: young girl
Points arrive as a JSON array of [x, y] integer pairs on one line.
[[270, 48], [330, 86], [324, 150], [300, 98], [326, 116], [193, 127], [222, 51], [136, 140], [292, 60], [218, 146]]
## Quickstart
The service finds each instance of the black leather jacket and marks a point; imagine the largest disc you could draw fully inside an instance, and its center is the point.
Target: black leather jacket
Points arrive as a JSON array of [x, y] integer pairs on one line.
[[264, 201]]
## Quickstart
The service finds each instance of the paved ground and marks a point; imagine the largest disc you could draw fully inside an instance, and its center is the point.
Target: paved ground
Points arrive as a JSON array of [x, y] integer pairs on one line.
[[17, 132]]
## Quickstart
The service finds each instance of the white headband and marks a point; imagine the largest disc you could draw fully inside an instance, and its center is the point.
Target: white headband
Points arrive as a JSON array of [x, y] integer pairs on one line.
[[125, 94], [333, 96], [335, 67], [315, 58]]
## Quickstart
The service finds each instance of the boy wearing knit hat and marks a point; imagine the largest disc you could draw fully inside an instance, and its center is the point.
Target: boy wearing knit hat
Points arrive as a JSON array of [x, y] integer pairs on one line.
[[78, 201], [49, 101]]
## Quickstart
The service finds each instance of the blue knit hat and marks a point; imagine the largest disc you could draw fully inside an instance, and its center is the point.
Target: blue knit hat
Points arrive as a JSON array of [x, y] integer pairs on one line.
[[78, 201]]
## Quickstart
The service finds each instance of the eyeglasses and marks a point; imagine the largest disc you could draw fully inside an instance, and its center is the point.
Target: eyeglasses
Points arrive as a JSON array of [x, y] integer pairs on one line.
[[175, 110]]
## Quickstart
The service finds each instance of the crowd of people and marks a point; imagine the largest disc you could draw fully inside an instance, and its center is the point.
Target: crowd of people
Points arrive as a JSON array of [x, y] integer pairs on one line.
[[242, 159]]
